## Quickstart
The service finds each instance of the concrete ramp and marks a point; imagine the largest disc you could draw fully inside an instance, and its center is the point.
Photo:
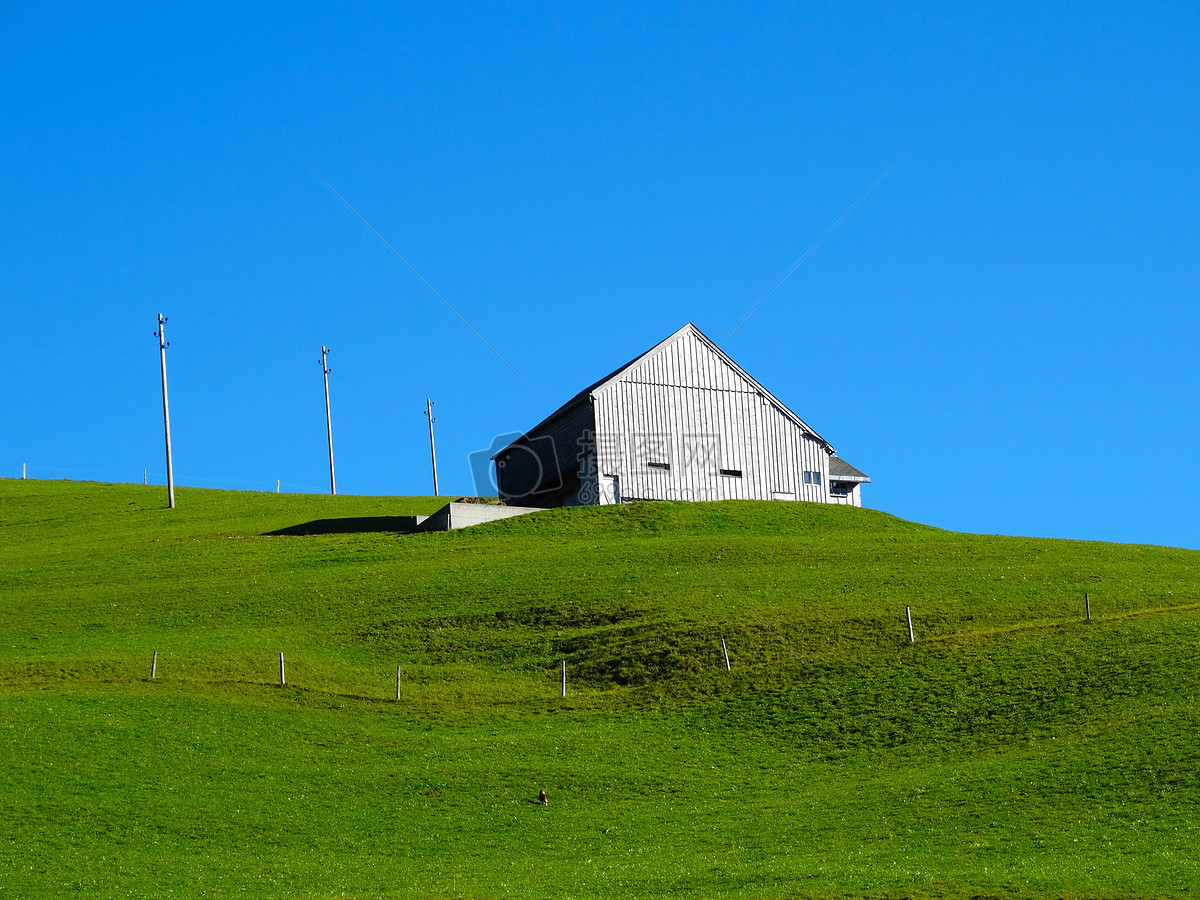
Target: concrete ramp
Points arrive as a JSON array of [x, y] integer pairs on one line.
[[464, 515]]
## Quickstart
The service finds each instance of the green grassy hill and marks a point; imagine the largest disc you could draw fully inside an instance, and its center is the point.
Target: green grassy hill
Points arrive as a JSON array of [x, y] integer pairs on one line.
[[1015, 750]]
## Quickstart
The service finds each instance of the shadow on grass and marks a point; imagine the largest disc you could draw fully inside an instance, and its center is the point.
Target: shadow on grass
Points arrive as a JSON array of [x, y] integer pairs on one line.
[[355, 525]]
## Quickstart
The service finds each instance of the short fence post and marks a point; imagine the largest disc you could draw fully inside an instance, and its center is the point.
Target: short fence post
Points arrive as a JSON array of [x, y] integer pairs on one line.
[[725, 650], [1087, 606], [398, 668], [282, 676], [564, 679], [154, 665], [912, 639]]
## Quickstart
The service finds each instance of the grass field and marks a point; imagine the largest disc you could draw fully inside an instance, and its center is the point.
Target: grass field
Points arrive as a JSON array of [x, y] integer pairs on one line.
[[1016, 750]]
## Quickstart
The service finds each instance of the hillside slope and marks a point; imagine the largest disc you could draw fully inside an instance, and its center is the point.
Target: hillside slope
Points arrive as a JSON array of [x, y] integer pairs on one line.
[[1014, 750]]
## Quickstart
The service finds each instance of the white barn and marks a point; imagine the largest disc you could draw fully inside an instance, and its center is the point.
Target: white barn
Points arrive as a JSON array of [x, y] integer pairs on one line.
[[682, 421]]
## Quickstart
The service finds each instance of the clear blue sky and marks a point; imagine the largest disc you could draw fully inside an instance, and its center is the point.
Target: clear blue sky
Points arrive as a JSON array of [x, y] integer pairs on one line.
[[1003, 334]]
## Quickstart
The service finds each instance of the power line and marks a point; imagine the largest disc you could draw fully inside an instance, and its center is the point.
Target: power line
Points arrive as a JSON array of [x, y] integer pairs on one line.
[[417, 275], [807, 252]]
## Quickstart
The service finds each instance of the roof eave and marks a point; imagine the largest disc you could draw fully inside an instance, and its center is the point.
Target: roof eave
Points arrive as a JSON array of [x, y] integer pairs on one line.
[[563, 410]]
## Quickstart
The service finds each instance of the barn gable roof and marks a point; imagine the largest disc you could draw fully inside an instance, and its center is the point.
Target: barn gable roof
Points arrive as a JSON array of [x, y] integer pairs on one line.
[[663, 346]]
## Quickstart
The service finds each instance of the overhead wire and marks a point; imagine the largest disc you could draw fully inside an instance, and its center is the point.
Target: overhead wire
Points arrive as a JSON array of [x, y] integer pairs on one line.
[[807, 253], [429, 287]]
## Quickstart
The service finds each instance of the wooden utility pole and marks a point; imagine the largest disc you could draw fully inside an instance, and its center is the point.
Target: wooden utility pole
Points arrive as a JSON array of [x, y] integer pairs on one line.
[[328, 417], [432, 449], [163, 344]]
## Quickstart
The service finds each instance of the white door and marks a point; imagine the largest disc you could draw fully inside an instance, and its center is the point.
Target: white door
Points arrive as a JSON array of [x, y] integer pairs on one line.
[[610, 489]]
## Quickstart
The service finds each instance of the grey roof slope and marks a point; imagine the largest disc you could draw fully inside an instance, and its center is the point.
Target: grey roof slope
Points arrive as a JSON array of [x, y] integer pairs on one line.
[[840, 470]]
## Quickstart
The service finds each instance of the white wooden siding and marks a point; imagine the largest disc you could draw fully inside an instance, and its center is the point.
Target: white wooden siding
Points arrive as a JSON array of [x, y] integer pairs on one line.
[[685, 403]]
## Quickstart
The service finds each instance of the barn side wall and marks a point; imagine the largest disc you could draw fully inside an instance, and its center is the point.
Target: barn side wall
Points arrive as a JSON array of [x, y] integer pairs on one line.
[[542, 468]]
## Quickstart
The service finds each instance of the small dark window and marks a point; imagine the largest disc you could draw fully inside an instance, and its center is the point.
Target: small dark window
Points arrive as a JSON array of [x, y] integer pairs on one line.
[[659, 465], [732, 473]]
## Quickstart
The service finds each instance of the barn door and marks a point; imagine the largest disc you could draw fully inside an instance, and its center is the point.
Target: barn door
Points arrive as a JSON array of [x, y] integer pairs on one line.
[[610, 489]]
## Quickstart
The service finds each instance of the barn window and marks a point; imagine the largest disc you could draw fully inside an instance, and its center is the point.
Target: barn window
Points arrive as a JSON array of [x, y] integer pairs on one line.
[[812, 477], [659, 465], [732, 473]]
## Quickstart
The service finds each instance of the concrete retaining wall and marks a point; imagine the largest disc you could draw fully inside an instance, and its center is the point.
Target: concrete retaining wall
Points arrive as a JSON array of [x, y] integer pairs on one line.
[[464, 515]]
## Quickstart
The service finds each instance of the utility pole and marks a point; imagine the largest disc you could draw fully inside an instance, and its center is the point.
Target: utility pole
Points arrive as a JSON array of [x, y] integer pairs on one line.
[[328, 418], [163, 344], [432, 450]]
